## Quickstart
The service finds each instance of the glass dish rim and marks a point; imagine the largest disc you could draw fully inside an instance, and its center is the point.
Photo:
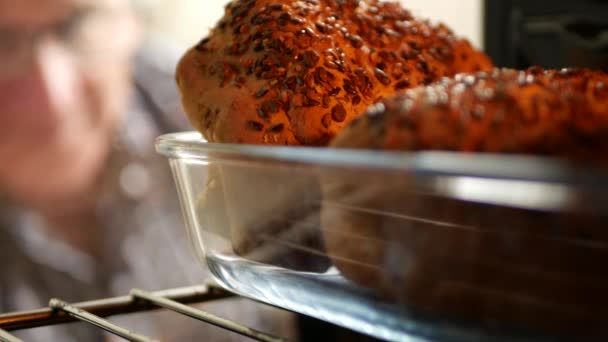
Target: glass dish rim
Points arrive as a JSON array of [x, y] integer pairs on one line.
[[191, 145]]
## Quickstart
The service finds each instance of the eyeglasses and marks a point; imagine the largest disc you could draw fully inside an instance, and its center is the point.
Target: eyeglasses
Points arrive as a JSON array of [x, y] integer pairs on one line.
[[84, 34]]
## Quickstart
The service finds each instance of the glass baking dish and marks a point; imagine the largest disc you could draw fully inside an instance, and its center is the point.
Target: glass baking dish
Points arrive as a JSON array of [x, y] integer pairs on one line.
[[402, 246]]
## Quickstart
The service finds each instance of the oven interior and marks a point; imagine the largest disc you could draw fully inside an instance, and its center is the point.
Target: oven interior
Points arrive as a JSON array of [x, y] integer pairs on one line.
[[547, 33]]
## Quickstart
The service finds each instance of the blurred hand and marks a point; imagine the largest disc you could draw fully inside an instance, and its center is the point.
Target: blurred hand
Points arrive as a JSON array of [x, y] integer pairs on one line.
[[64, 81]]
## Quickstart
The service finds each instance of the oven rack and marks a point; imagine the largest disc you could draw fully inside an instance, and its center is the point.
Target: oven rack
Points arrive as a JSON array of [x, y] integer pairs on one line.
[[94, 312]]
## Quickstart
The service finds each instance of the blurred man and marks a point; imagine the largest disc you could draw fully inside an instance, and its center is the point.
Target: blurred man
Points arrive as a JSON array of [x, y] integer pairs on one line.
[[87, 209]]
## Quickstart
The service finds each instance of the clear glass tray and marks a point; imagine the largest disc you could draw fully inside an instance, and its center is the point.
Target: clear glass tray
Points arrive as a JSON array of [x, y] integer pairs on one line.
[[402, 246]]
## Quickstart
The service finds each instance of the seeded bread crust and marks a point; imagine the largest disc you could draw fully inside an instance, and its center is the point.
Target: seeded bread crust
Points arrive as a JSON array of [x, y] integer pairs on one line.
[[538, 112], [297, 72]]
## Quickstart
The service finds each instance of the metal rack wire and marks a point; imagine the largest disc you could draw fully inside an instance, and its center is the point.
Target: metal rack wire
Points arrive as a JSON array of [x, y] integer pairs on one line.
[[94, 312]]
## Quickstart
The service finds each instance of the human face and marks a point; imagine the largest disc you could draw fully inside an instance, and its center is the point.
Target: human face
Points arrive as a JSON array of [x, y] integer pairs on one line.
[[64, 80]]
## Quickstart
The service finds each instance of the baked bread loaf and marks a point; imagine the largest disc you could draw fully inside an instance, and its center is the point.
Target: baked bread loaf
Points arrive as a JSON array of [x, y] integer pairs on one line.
[[535, 112], [296, 72], [397, 234]]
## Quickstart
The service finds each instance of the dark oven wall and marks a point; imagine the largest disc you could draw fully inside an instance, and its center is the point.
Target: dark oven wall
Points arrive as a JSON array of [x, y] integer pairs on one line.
[[548, 33]]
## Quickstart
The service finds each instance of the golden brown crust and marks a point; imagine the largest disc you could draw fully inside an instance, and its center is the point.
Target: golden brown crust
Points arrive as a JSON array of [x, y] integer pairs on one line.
[[296, 72], [538, 112]]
